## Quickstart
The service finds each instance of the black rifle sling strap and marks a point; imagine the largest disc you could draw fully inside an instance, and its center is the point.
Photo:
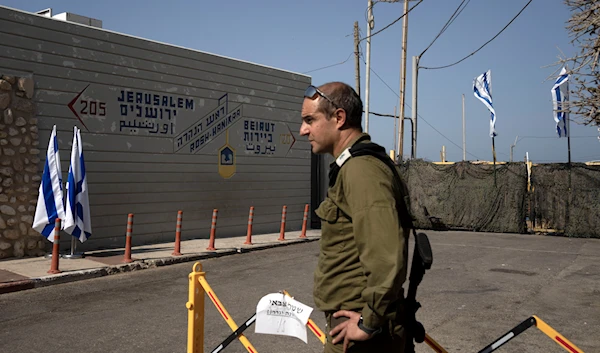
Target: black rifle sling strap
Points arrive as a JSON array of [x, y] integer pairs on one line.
[[373, 149]]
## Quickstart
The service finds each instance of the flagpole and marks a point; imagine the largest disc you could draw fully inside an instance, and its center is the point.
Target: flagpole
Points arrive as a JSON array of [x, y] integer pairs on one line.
[[494, 154], [568, 124], [72, 220], [493, 137], [464, 130], [482, 88], [568, 118], [74, 254], [44, 221]]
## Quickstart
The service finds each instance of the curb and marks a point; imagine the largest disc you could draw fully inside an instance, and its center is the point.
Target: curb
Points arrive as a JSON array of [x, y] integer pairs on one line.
[[15, 286], [276, 245], [137, 265]]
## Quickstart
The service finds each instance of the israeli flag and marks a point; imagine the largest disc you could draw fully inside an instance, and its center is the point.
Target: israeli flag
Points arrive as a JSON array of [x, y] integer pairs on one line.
[[50, 198], [78, 221], [482, 91], [558, 97]]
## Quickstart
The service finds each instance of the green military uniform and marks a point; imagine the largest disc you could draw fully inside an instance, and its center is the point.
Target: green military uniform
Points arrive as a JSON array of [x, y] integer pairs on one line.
[[364, 250]]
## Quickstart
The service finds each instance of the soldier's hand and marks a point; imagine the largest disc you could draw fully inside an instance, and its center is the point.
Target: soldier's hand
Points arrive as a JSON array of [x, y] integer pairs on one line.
[[348, 330]]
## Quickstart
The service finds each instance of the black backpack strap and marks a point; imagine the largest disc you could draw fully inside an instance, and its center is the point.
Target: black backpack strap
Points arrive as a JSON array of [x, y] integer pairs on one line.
[[373, 149], [346, 154]]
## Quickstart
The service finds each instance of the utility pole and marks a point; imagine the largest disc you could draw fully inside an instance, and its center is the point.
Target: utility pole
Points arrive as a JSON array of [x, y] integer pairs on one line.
[[370, 25], [568, 118], [415, 74], [395, 126], [357, 57], [443, 154], [403, 81], [465, 131], [511, 148]]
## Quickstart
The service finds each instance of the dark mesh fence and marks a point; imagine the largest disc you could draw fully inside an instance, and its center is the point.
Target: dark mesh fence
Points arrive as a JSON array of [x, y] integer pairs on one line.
[[463, 195], [555, 209]]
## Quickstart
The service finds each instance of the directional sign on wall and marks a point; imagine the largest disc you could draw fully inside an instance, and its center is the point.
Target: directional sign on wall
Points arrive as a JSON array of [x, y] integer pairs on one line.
[[194, 138], [107, 109], [248, 135], [262, 137]]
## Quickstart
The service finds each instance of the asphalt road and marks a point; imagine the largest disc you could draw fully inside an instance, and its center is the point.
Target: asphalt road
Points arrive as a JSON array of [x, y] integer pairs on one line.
[[480, 286]]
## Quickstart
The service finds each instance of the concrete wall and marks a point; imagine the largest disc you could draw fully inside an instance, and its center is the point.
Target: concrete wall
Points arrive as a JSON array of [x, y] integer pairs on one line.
[[164, 128]]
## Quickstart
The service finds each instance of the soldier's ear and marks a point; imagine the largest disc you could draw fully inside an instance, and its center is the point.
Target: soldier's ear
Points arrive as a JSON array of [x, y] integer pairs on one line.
[[340, 117]]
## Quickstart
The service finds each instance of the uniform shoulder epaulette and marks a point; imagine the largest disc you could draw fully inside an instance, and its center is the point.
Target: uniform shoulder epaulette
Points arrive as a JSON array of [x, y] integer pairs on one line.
[[358, 149], [371, 149]]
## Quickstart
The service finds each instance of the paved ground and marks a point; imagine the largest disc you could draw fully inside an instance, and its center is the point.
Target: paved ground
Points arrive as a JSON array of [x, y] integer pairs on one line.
[[480, 286], [32, 272]]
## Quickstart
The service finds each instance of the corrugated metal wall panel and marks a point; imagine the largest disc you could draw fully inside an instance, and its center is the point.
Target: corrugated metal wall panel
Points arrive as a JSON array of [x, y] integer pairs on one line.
[[147, 172]]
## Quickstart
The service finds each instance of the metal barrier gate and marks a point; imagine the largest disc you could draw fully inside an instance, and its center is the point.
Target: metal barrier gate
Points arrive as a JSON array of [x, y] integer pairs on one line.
[[198, 287]]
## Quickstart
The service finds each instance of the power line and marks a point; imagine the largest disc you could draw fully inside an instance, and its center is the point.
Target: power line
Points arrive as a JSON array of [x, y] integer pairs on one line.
[[420, 115], [448, 23], [328, 66], [396, 20], [552, 137], [332, 65], [481, 47], [384, 115]]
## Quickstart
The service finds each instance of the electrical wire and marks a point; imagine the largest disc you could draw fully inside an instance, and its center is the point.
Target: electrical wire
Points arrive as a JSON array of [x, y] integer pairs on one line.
[[551, 137], [396, 20], [367, 11], [481, 47], [448, 23], [328, 66], [373, 71]]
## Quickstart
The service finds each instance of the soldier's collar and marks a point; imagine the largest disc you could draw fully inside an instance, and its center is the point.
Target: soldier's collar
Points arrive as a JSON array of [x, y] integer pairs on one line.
[[357, 149], [345, 155]]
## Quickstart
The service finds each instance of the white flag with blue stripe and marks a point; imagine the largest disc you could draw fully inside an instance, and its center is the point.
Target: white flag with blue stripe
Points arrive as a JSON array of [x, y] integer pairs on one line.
[[78, 221], [50, 198], [483, 92], [559, 97]]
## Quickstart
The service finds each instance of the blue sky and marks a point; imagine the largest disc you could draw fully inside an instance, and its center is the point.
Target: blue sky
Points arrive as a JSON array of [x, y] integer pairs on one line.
[[302, 36]]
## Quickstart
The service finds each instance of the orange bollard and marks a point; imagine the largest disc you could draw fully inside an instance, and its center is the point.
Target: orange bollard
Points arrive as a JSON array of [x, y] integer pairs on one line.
[[55, 255], [127, 257], [178, 234], [249, 233], [213, 230], [304, 221], [282, 231]]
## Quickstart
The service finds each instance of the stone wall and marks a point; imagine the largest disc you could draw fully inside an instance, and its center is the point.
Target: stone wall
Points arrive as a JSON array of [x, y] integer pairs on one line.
[[19, 175]]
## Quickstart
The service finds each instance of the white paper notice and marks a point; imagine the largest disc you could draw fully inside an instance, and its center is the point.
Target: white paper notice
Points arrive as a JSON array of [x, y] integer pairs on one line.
[[278, 314]]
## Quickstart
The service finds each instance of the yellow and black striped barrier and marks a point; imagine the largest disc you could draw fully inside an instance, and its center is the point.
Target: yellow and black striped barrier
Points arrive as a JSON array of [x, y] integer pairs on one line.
[[434, 345], [514, 332], [195, 305], [199, 286], [312, 326], [529, 322]]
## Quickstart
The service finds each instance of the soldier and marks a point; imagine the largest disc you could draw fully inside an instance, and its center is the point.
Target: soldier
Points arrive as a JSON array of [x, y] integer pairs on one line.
[[364, 249]]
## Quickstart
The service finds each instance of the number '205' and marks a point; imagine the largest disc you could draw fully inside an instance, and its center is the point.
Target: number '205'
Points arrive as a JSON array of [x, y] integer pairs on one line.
[[93, 108]]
